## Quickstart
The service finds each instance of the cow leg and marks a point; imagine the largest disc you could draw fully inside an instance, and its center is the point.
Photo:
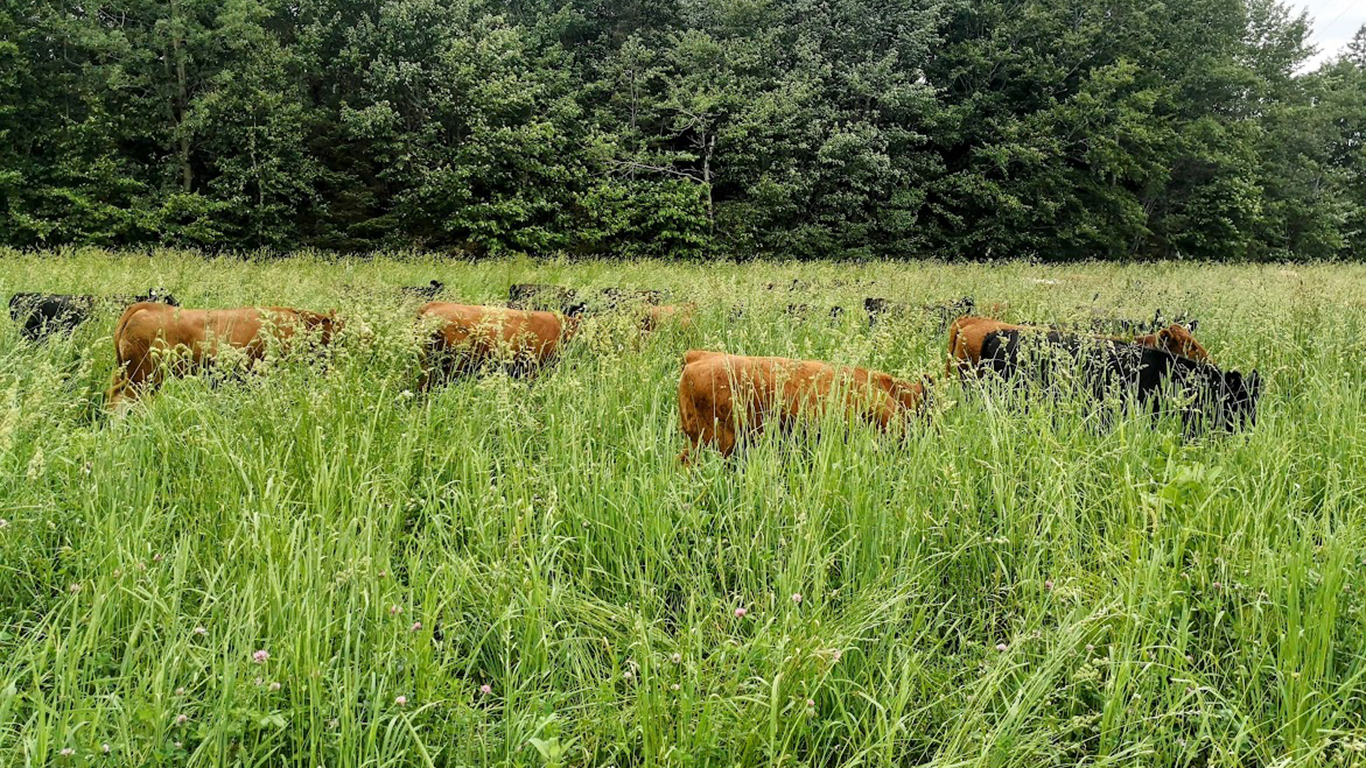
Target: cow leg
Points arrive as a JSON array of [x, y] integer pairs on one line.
[[688, 422], [719, 428], [134, 374], [717, 433], [427, 374], [119, 391], [705, 417], [686, 455], [884, 413], [445, 366], [435, 362], [723, 435]]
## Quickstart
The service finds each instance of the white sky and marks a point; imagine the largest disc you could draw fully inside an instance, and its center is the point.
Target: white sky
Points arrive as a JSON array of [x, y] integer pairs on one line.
[[1334, 23]]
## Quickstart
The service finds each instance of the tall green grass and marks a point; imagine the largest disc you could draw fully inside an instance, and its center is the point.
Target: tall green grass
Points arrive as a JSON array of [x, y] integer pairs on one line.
[[1004, 587]]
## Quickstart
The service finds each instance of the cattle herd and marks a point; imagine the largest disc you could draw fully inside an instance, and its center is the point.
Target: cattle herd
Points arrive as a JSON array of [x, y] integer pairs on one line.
[[721, 397]]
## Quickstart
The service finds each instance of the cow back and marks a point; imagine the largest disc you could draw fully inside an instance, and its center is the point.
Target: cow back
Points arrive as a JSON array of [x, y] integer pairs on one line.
[[41, 314]]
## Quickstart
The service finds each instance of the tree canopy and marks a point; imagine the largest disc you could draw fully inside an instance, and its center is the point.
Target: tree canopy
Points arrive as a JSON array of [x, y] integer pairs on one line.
[[1054, 129]]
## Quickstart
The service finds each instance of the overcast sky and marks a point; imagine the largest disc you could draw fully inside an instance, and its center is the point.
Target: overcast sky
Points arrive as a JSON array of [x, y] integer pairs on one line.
[[1334, 23]]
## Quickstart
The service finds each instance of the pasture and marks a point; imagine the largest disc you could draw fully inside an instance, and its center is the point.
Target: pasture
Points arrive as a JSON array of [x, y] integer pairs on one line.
[[317, 566]]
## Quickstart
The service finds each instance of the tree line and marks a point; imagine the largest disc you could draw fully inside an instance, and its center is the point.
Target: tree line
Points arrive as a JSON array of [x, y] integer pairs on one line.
[[1052, 129]]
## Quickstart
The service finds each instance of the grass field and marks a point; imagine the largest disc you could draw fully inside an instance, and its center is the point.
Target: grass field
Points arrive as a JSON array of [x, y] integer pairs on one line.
[[317, 568]]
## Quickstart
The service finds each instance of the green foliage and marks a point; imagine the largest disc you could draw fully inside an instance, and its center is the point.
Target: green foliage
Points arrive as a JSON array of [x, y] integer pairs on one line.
[[811, 129], [1338, 95]]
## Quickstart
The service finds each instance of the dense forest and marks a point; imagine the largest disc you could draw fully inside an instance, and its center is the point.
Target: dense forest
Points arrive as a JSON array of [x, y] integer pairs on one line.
[[977, 129]]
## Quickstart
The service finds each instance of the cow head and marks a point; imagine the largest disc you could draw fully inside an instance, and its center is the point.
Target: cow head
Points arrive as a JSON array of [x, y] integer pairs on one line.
[[326, 325], [914, 396], [160, 296], [1178, 340]]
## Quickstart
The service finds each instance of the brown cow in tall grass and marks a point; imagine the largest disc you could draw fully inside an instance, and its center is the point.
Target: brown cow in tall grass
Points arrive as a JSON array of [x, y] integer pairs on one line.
[[677, 315], [463, 338], [151, 340], [721, 394]]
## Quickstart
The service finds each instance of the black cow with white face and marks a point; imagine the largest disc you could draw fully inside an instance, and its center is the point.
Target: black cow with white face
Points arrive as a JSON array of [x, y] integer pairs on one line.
[[1156, 379]]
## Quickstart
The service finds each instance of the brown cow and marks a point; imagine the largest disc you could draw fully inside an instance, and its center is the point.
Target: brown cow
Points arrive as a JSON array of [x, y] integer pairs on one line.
[[1176, 339], [148, 331], [967, 333], [717, 391], [680, 315], [466, 337]]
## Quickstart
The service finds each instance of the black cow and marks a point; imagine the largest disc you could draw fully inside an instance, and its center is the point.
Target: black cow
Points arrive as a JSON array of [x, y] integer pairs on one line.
[[1207, 395], [797, 285], [548, 298], [807, 310], [1104, 323], [42, 314], [615, 297], [878, 308], [429, 291], [943, 313]]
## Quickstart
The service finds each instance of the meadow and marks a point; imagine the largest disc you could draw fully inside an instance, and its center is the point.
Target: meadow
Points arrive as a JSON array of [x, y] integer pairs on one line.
[[316, 566]]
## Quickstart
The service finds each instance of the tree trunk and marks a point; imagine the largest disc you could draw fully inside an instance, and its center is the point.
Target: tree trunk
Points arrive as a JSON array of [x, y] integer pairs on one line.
[[182, 99], [708, 146]]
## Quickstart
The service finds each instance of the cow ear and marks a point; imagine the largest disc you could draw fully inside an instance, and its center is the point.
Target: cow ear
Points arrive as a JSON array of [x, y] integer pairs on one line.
[[1191, 326]]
